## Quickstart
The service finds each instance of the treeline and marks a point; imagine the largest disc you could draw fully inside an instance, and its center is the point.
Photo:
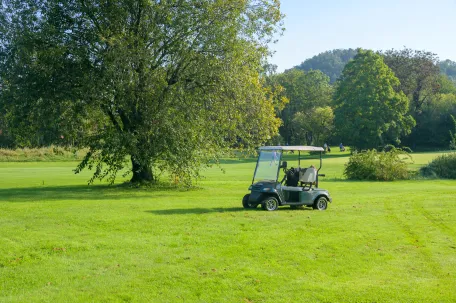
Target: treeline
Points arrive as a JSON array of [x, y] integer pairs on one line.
[[344, 95], [369, 99]]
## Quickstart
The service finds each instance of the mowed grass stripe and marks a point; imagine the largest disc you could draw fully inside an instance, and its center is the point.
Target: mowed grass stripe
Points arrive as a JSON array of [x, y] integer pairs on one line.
[[66, 242]]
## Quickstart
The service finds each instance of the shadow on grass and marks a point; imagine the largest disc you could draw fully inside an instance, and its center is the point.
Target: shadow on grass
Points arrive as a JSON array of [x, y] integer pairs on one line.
[[80, 192], [187, 211]]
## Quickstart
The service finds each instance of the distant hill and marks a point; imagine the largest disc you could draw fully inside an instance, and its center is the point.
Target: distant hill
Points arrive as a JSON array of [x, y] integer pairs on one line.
[[333, 62], [330, 62]]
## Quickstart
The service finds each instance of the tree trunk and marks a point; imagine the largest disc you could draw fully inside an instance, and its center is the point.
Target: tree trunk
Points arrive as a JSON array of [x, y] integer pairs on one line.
[[141, 173]]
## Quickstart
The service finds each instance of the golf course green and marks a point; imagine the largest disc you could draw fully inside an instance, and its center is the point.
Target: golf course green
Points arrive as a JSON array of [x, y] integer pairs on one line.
[[64, 241]]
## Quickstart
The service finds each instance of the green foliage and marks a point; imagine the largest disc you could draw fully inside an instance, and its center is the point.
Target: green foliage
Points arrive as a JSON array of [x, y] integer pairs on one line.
[[305, 91], [418, 74], [276, 140], [330, 62], [275, 92], [453, 135], [369, 112], [51, 153], [379, 166], [168, 85], [446, 85], [421, 81], [313, 127], [448, 68], [6, 140], [444, 166], [434, 122]]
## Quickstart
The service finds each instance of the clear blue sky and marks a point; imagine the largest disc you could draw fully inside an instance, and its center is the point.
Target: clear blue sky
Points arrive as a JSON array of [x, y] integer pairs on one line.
[[315, 26]]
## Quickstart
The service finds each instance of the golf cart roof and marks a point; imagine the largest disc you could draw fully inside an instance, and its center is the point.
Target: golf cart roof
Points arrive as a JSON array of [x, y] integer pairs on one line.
[[299, 148]]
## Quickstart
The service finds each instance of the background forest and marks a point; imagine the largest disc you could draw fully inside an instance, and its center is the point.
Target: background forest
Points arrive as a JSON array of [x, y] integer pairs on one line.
[[311, 114], [317, 106]]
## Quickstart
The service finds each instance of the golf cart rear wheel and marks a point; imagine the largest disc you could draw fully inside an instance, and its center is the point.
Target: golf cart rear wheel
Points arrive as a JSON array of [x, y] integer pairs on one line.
[[246, 203], [270, 203], [321, 203]]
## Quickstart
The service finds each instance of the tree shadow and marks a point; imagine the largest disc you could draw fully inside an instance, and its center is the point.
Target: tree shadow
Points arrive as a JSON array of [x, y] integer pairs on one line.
[[77, 192], [186, 211], [197, 211]]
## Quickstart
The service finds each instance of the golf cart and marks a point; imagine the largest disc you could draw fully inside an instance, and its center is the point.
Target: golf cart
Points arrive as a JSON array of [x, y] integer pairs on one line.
[[298, 186]]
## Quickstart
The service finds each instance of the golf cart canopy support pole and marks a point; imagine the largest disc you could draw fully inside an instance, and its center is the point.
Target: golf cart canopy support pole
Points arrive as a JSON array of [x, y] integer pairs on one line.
[[280, 162], [321, 163], [256, 167]]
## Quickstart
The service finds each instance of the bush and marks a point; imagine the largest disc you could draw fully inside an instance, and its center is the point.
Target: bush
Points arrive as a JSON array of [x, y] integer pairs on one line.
[[443, 166], [373, 165], [51, 153]]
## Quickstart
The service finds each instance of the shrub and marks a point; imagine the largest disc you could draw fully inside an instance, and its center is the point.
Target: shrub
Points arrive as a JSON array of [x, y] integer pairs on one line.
[[373, 165], [51, 153], [443, 166], [8, 153]]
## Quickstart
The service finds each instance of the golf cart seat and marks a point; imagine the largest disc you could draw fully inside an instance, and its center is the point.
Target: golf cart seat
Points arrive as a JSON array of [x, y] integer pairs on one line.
[[308, 177]]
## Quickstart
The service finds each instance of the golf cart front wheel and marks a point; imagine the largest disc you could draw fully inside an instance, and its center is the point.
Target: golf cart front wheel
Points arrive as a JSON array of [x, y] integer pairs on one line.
[[246, 203], [321, 203], [270, 204]]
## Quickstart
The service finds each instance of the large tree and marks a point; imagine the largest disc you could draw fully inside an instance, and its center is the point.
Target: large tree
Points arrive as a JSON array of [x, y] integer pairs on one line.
[[435, 122], [369, 112], [418, 74], [168, 84]]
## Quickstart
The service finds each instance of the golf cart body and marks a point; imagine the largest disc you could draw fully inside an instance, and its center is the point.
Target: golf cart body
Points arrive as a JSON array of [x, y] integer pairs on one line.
[[298, 187]]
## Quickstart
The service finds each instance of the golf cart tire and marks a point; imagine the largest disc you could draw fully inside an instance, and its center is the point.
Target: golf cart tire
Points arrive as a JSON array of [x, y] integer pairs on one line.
[[246, 203], [321, 203], [270, 203]]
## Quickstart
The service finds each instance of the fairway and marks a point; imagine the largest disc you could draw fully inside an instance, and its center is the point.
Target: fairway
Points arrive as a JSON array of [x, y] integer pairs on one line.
[[64, 241]]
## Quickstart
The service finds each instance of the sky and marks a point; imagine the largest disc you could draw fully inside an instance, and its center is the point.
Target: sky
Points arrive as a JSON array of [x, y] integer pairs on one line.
[[316, 26]]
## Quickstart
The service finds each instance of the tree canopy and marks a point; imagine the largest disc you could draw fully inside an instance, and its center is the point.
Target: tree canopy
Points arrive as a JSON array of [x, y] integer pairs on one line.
[[304, 91], [369, 112], [315, 126], [418, 74], [167, 84]]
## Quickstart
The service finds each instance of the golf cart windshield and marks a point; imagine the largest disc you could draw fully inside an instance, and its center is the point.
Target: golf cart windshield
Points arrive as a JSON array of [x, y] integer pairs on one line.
[[267, 166]]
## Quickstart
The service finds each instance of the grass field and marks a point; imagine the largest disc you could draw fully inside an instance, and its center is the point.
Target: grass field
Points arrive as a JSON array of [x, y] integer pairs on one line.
[[63, 241]]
